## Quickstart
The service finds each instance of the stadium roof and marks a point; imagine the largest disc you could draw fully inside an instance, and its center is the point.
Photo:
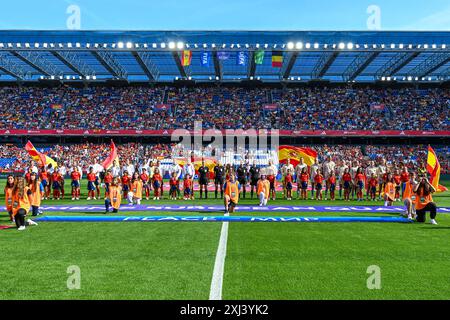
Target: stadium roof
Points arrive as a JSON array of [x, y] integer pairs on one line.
[[155, 56]]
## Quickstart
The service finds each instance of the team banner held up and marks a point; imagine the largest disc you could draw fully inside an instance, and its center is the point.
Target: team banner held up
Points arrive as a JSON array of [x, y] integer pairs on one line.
[[113, 158]]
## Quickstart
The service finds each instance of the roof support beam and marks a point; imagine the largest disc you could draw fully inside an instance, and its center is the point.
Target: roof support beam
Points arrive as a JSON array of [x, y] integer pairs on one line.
[[217, 66], [359, 65], [177, 59], [11, 68], [430, 64], [290, 64], [38, 62], [395, 64], [324, 63], [252, 65], [108, 61], [73, 62], [144, 61]]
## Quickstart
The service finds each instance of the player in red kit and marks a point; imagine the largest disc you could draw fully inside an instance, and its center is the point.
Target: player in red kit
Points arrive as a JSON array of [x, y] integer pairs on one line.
[[75, 176], [145, 183]]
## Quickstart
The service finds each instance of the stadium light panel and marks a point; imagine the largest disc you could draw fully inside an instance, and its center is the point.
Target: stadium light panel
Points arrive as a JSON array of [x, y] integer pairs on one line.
[[154, 45], [213, 45], [224, 45], [299, 45], [217, 78], [189, 78], [69, 45], [374, 46], [94, 77], [163, 45], [136, 45], [41, 77], [36, 45], [205, 45], [366, 46], [434, 46], [444, 46], [316, 45], [350, 45], [145, 45], [180, 45], [251, 77], [105, 45], [247, 45], [78, 45], [290, 45], [176, 78], [258, 78], [18, 45], [410, 46], [400, 45], [334, 45], [383, 78], [1, 45], [88, 45], [388, 78], [52, 77], [120, 45], [257, 45], [383, 46], [299, 78], [238, 45], [429, 78], [392, 45], [308, 45], [27, 45], [266, 45], [195, 45], [341, 45], [129, 45], [10, 45], [410, 78], [416, 78], [325, 46], [45, 45], [425, 46], [88, 78], [210, 78]]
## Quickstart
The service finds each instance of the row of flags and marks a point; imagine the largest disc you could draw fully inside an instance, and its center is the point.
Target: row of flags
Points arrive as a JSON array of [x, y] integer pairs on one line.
[[242, 57]]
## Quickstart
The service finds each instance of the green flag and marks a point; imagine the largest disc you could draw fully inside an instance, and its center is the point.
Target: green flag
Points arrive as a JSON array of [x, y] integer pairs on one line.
[[259, 56]]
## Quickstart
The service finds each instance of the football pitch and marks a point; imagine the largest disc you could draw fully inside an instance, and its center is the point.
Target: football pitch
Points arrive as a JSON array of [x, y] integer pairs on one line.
[[176, 260]]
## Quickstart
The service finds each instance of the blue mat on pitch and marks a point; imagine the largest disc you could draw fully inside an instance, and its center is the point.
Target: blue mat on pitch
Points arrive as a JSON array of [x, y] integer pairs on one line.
[[106, 218]]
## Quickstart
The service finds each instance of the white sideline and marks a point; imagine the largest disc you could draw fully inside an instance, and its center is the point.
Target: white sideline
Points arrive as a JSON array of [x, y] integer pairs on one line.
[[217, 278]]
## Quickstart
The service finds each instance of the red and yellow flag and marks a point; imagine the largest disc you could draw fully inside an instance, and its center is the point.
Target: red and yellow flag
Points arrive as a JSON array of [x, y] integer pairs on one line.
[[39, 157], [186, 57], [295, 153], [277, 59], [434, 169], [209, 162], [112, 159]]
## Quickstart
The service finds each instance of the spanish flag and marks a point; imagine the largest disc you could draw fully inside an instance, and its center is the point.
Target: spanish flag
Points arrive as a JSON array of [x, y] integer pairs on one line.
[[113, 158], [434, 169], [277, 59], [186, 57], [209, 162], [295, 153], [40, 158]]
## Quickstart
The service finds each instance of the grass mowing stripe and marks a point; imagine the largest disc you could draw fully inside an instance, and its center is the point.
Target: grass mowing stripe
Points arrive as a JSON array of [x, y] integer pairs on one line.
[[219, 265]]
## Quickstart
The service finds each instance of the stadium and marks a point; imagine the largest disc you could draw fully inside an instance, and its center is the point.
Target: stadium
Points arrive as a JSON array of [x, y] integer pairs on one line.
[[196, 114]]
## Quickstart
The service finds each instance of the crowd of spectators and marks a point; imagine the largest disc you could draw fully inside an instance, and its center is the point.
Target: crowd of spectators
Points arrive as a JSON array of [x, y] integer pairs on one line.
[[305, 108]]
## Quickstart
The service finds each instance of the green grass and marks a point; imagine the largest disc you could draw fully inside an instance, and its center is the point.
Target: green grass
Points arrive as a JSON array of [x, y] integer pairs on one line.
[[264, 260]]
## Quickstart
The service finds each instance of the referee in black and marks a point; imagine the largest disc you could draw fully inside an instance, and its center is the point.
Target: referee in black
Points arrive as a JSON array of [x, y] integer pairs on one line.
[[219, 174], [203, 177]]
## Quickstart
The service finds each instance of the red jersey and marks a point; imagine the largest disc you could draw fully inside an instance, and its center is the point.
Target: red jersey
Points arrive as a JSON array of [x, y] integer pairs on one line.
[[187, 184], [347, 177], [288, 179], [304, 177], [56, 176], [28, 177], [108, 178], [360, 177], [373, 182], [332, 180], [318, 178], [126, 180], [144, 177], [75, 175], [157, 177], [404, 177], [91, 177], [173, 182], [44, 175], [397, 179]]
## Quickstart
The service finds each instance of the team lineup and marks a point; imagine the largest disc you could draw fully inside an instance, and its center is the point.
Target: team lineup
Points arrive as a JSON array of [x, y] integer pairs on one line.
[[321, 181]]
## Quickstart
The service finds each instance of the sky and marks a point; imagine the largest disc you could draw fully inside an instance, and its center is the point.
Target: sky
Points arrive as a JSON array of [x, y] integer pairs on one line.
[[226, 15]]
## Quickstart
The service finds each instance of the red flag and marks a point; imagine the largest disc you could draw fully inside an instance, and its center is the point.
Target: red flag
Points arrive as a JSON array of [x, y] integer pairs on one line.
[[41, 158], [108, 163]]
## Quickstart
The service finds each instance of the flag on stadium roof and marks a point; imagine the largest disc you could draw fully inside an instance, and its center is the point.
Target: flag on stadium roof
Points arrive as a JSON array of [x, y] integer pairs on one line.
[[277, 59], [295, 153], [205, 59], [186, 58], [56, 106], [434, 169], [112, 159], [241, 58], [259, 56], [39, 157], [223, 55]]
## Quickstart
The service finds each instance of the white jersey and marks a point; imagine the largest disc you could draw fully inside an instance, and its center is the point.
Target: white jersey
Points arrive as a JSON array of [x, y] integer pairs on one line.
[[286, 168], [115, 171], [97, 168], [272, 170], [63, 171], [314, 168], [299, 169], [381, 170], [340, 171], [328, 167], [177, 169], [34, 169], [189, 169], [370, 171], [353, 171]]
